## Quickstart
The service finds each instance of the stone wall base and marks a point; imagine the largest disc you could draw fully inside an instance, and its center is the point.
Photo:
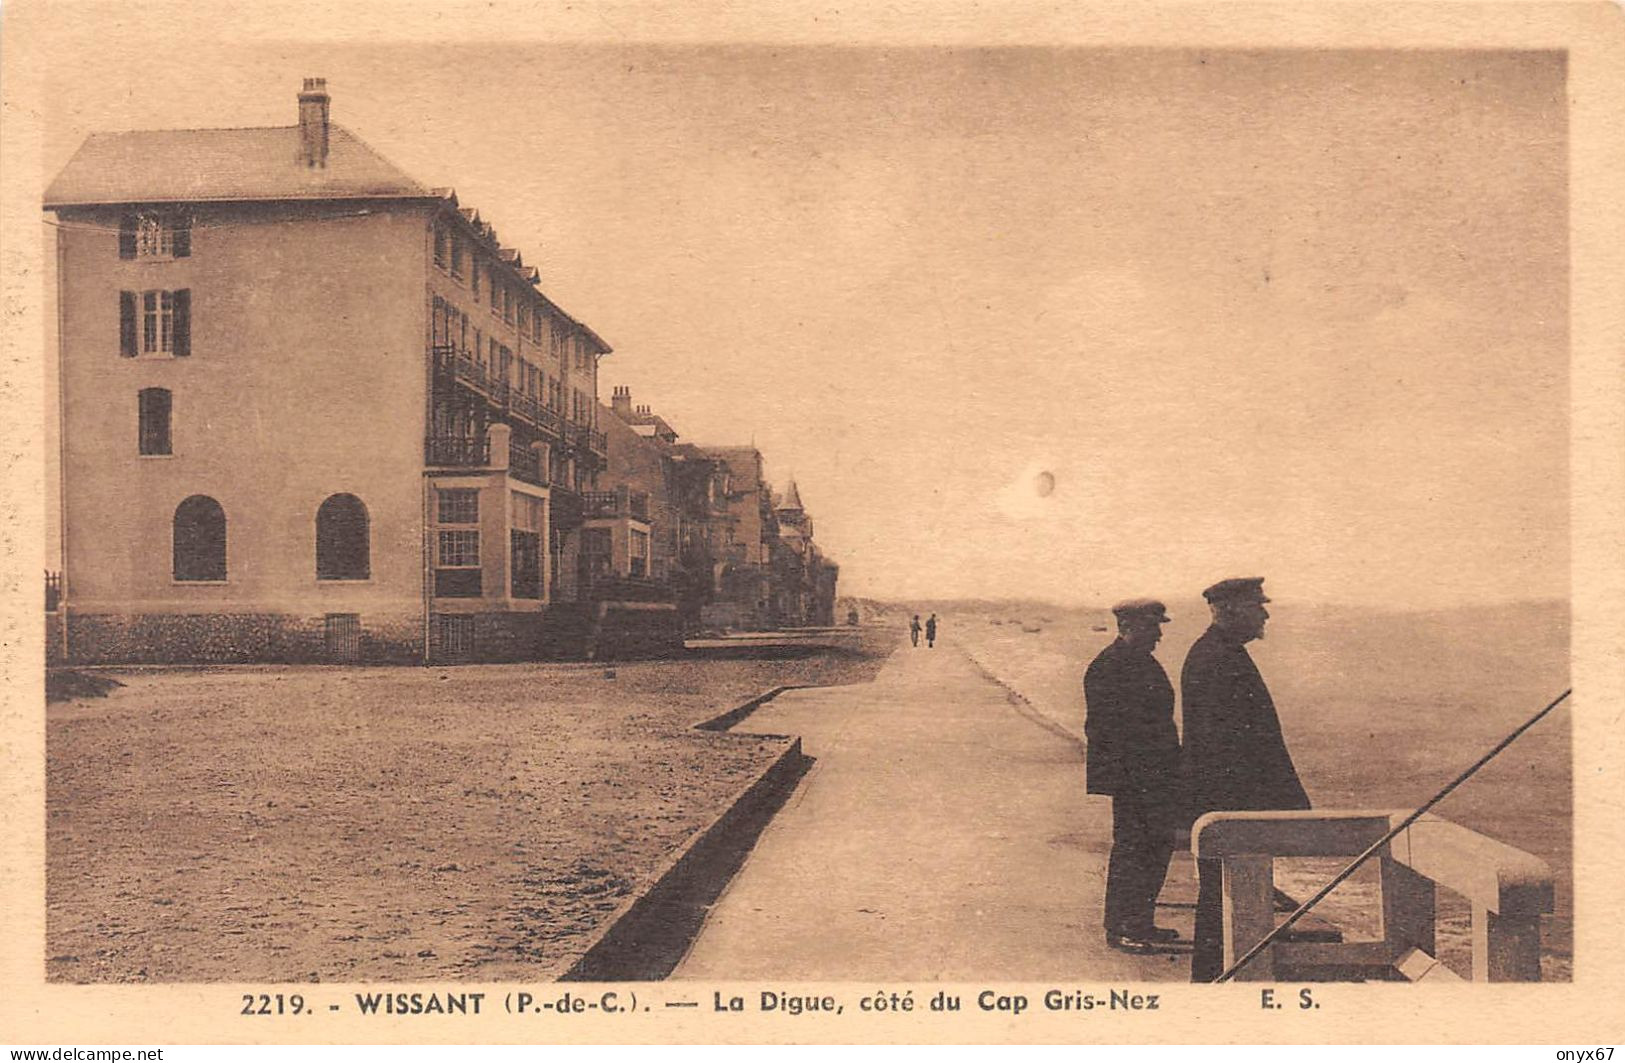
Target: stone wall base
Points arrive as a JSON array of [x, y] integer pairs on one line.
[[242, 638], [629, 632], [484, 638]]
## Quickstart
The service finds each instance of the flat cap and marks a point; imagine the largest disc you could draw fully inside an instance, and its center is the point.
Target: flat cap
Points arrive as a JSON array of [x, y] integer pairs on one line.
[[1249, 589], [1148, 608]]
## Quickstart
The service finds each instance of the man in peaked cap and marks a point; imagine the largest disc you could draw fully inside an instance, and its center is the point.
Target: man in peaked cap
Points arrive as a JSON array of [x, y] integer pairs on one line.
[[1234, 756], [1133, 756]]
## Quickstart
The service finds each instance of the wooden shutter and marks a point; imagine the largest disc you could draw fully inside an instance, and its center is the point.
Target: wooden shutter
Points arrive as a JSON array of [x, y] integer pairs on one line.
[[126, 236], [182, 241], [126, 324], [183, 322]]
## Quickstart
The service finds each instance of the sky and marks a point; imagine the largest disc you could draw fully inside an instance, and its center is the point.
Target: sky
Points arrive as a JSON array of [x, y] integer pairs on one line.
[[1297, 314]]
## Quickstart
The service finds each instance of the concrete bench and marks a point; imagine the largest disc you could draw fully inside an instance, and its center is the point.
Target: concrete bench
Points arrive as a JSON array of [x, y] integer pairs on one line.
[[1509, 891]]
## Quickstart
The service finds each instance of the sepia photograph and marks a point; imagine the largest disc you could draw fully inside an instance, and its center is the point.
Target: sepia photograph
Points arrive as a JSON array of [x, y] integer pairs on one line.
[[809, 526]]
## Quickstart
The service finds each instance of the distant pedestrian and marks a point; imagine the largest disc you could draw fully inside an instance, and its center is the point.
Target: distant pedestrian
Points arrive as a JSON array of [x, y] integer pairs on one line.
[[914, 630], [1133, 757], [1234, 756], [931, 632]]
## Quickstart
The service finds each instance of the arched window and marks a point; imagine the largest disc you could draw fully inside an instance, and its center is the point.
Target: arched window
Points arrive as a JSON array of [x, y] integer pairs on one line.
[[342, 548], [200, 539]]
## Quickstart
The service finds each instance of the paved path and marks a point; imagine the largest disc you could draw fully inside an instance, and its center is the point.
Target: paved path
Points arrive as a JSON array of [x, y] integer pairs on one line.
[[943, 834]]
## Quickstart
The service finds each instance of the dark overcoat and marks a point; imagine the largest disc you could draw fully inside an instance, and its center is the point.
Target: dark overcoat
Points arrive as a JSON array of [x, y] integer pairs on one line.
[[1132, 744], [1233, 756]]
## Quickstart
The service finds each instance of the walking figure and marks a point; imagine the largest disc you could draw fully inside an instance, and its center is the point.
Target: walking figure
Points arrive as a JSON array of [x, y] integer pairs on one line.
[[1133, 757], [914, 629], [931, 632]]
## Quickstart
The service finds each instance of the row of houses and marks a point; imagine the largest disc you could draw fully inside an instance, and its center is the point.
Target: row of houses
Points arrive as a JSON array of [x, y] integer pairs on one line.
[[313, 410]]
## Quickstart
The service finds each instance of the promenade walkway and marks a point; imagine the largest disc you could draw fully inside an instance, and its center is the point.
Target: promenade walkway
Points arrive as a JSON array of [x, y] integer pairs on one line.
[[943, 834]]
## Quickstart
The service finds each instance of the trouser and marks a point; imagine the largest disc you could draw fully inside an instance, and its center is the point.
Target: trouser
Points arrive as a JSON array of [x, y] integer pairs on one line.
[[1207, 958], [1142, 843]]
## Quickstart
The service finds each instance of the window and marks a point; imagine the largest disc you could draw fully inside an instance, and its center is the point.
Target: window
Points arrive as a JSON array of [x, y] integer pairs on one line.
[[153, 236], [459, 549], [456, 258], [343, 550], [155, 322], [497, 293], [479, 346], [525, 542], [526, 547], [459, 505], [537, 320], [441, 257], [524, 317], [457, 575], [474, 276], [640, 552], [507, 304], [199, 536], [153, 411]]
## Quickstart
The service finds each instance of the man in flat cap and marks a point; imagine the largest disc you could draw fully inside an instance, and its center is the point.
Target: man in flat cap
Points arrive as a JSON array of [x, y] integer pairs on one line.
[[1234, 756], [1133, 756]]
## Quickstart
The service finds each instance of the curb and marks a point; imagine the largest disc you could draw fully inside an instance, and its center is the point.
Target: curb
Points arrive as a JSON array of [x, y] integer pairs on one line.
[[651, 932], [1023, 704], [739, 712]]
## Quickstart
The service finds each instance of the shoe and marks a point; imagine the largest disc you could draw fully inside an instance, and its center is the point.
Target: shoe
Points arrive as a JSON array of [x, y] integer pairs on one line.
[[1125, 943]]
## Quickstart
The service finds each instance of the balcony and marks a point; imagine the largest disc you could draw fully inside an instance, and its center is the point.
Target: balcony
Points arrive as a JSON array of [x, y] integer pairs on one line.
[[460, 366], [457, 452], [612, 505], [588, 438], [525, 464]]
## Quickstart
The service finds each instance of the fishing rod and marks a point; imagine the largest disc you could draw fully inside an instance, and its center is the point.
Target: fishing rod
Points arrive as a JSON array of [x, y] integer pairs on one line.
[[1394, 832]]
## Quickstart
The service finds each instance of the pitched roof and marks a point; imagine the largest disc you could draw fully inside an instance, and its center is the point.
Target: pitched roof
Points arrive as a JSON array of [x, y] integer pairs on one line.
[[181, 165], [745, 463], [790, 500]]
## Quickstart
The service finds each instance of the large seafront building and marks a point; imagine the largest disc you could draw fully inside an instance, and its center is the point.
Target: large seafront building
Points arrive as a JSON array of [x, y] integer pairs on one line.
[[311, 409]]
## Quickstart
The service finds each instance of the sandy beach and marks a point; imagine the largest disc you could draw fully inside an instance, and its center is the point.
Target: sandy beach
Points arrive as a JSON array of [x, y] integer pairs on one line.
[[275, 824]]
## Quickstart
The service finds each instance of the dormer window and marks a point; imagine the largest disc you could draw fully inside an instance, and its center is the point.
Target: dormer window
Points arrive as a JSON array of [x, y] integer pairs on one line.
[[152, 236]]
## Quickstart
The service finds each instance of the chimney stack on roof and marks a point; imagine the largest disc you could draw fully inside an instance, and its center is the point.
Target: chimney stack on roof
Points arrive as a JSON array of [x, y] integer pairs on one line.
[[620, 403], [313, 106]]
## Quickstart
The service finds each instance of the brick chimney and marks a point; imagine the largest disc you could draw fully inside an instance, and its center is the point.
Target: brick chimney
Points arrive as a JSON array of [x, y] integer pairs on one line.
[[313, 101], [620, 403]]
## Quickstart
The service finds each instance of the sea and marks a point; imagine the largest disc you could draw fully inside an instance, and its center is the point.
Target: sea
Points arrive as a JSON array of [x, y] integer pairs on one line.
[[1380, 709]]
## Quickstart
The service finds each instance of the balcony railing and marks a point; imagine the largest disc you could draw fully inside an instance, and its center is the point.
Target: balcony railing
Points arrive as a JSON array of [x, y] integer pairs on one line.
[[588, 438], [464, 368], [525, 464], [457, 452], [607, 505]]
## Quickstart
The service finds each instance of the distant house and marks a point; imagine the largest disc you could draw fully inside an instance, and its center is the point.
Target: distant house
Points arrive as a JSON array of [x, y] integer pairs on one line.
[[772, 573], [682, 491], [313, 410]]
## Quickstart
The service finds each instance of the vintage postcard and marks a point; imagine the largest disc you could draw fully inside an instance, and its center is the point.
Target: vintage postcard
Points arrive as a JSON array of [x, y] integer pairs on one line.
[[920, 523]]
